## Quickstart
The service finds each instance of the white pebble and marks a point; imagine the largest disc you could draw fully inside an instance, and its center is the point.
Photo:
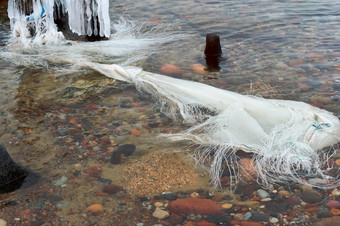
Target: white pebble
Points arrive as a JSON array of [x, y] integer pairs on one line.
[[273, 220], [3, 222], [160, 214]]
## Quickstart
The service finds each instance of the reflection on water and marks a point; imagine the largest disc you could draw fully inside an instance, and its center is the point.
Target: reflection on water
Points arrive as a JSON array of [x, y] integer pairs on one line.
[[62, 121]]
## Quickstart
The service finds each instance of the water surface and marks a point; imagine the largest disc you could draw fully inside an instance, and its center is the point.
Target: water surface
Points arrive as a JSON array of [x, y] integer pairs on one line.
[[61, 120]]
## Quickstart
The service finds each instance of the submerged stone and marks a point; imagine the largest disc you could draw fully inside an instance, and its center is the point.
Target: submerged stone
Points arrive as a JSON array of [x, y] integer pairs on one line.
[[195, 205], [126, 150], [14, 176]]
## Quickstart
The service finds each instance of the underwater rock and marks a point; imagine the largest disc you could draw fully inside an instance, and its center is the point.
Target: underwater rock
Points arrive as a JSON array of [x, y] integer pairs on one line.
[[112, 189], [160, 214], [311, 196], [14, 176], [126, 150], [195, 205]]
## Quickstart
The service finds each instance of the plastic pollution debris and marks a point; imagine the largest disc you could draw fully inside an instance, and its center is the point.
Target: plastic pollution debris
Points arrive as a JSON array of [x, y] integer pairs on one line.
[[287, 138]]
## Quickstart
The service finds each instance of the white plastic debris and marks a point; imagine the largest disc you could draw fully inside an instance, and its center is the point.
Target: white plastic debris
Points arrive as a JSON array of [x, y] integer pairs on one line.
[[287, 137]]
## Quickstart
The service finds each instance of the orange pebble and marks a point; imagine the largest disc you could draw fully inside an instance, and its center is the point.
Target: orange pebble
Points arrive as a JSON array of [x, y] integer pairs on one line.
[[95, 207], [170, 69], [198, 68], [136, 132], [335, 211], [337, 162], [73, 121]]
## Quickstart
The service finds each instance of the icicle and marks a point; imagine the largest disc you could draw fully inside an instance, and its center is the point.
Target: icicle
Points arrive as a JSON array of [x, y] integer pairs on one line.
[[84, 16]]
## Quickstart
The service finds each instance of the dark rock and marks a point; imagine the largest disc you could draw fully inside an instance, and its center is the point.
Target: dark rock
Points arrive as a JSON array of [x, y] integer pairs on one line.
[[112, 189], [311, 196], [143, 199], [126, 150], [105, 181], [76, 173], [260, 217], [116, 124], [218, 219], [153, 124], [169, 196], [322, 214], [246, 189], [126, 105], [277, 207], [14, 176]]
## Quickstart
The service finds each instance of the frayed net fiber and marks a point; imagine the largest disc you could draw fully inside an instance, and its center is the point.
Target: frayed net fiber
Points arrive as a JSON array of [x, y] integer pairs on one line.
[[287, 138]]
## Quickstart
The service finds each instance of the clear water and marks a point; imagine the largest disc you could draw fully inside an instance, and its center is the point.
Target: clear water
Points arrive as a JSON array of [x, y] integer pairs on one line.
[[276, 49]]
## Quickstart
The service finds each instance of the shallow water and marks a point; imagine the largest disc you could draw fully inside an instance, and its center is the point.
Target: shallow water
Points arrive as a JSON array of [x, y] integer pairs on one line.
[[61, 120]]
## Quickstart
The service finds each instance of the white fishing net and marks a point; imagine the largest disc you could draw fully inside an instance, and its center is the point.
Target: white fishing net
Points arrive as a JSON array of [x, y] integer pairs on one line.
[[287, 138]]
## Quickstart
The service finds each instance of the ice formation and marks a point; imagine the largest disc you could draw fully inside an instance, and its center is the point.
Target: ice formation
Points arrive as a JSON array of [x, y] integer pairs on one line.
[[287, 138], [86, 17]]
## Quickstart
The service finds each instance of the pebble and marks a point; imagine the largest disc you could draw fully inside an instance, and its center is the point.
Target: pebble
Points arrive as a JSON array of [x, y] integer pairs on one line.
[[227, 205], [112, 189], [247, 216], [261, 217], [126, 150], [170, 69], [158, 204], [95, 207], [194, 195], [60, 182], [3, 222], [277, 206], [262, 193], [311, 196], [238, 217], [266, 200], [335, 192], [292, 201], [337, 162], [284, 193], [63, 132], [195, 205], [273, 220], [169, 196], [140, 224], [160, 214], [218, 219], [335, 212], [333, 204], [198, 68]]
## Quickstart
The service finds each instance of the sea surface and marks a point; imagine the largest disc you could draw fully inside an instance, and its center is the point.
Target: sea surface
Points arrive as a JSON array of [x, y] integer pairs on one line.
[[64, 121]]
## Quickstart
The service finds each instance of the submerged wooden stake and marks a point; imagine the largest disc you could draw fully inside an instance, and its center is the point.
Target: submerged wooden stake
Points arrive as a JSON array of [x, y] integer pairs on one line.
[[213, 51]]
